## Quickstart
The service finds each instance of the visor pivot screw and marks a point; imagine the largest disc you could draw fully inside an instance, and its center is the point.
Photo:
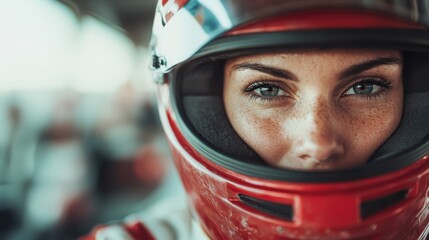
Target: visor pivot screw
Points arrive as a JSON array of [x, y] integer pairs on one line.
[[162, 62]]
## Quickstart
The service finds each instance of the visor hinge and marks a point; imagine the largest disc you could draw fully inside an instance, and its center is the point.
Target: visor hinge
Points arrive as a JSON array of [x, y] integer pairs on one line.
[[157, 65], [158, 62]]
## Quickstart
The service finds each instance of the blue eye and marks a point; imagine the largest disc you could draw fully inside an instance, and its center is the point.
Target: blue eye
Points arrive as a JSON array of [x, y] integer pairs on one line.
[[369, 87], [265, 90], [363, 88]]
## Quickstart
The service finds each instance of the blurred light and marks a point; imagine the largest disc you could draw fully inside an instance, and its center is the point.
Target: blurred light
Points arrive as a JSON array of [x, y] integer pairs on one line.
[[36, 44], [105, 60], [44, 46]]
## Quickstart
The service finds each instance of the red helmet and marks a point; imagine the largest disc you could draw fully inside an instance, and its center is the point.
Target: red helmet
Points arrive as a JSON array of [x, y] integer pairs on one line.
[[231, 191]]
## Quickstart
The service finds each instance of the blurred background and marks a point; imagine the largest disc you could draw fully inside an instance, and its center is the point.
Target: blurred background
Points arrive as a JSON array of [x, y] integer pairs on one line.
[[80, 139]]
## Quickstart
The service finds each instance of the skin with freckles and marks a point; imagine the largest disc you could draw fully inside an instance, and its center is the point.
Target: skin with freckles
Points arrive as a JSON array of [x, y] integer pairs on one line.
[[315, 109]]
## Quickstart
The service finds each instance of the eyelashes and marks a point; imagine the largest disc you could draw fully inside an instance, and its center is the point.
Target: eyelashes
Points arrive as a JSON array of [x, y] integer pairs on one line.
[[265, 90], [369, 87]]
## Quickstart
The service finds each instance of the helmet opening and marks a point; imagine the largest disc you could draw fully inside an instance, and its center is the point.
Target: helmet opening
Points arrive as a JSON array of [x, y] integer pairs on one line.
[[198, 92]]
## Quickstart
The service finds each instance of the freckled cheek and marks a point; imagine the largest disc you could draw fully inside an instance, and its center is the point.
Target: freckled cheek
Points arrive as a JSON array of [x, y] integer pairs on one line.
[[369, 128], [262, 131]]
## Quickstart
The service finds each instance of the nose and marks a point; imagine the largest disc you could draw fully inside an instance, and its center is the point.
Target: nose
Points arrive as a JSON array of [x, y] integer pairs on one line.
[[318, 141]]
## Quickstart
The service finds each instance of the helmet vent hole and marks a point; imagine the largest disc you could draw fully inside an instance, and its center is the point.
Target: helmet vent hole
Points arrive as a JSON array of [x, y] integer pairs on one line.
[[283, 211], [372, 207]]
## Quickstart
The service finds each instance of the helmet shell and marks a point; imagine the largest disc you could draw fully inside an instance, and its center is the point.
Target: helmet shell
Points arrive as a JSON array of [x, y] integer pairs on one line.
[[235, 199]]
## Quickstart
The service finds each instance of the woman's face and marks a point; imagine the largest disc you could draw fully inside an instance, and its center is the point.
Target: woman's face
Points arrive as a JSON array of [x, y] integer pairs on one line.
[[315, 109]]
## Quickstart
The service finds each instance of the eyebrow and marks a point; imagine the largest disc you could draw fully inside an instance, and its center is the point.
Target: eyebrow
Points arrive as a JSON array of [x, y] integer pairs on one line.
[[273, 71], [361, 67], [350, 71]]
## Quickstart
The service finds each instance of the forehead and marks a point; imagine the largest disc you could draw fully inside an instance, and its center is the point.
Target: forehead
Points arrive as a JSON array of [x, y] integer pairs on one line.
[[306, 56]]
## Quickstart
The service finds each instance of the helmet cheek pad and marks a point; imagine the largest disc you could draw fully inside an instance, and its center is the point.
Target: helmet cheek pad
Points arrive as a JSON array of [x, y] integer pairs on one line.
[[200, 94], [414, 125]]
